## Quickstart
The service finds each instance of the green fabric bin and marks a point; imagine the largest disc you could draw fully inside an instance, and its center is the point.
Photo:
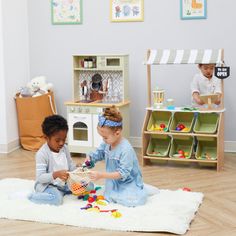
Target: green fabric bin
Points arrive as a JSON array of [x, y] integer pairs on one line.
[[206, 123], [181, 143], [157, 118], [185, 118], [206, 150], [159, 146]]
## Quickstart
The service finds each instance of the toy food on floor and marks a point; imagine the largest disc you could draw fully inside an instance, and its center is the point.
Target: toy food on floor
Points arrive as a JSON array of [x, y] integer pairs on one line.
[[186, 189], [99, 200]]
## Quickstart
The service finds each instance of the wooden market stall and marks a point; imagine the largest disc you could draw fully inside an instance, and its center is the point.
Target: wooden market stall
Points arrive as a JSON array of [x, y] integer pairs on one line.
[[207, 129]]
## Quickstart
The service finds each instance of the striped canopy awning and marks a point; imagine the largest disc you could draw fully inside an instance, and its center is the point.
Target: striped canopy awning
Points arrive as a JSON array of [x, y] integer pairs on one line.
[[184, 56]]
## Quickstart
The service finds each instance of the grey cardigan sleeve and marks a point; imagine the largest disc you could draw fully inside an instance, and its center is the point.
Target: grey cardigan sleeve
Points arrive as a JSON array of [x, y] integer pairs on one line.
[[42, 165], [71, 164]]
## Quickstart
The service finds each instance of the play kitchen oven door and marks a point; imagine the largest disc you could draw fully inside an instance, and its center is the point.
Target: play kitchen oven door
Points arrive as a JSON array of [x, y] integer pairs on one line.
[[80, 129]]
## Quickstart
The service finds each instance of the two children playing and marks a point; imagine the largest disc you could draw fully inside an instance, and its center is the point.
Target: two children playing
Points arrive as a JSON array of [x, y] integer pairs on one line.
[[124, 183]]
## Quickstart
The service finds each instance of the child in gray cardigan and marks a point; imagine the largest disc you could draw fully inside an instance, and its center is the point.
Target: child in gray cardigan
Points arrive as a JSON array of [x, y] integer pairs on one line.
[[53, 161]]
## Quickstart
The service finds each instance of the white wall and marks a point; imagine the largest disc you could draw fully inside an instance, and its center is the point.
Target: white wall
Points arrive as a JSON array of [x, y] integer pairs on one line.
[[3, 133], [15, 71]]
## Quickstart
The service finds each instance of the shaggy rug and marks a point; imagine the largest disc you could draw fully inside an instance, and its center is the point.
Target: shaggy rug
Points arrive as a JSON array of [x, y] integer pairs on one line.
[[168, 211]]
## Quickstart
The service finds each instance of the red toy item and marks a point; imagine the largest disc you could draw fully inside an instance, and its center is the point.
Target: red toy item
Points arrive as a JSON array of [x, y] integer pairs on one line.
[[186, 189], [162, 125]]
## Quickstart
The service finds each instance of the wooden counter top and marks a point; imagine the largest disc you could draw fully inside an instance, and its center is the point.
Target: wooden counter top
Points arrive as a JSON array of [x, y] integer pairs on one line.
[[96, 104]]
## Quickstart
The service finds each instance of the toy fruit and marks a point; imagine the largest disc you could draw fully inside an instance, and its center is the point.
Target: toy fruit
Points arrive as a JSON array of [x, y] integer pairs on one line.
[[162, 125], [185, 129], [181, 126], [90, 199], [181, 152], [116, 214], [186, 189]]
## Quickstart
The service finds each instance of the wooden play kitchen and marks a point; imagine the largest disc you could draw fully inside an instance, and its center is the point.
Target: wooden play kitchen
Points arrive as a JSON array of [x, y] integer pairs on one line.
[[171, 134], [99, 81]]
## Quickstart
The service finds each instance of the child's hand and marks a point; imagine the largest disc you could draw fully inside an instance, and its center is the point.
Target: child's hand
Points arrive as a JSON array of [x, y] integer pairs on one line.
[[61, 174], [95, 175], [199, 101]]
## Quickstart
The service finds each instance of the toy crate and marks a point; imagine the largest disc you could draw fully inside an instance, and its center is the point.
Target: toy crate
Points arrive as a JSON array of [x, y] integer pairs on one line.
[[157, 118], [181, 143], [206, 123], [159, 145], [185, 118], [206, 149]]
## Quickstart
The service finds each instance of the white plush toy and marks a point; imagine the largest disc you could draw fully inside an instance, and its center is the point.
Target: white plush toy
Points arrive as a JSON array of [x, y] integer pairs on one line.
[[39, 86]]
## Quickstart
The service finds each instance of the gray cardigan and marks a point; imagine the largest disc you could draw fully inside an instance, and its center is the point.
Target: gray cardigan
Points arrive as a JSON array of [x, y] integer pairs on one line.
[[44, 166]]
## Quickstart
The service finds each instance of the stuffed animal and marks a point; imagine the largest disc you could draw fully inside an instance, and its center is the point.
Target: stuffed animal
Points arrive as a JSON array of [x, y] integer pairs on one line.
[[25, 92], [38, 86]]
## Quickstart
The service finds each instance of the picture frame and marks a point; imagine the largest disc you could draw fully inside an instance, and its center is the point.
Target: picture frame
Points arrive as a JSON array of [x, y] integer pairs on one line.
[[66, 12], [193, 9], [126, 10]]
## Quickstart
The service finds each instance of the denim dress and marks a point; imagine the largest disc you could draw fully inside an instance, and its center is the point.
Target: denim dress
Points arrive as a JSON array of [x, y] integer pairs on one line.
[[129, 189]]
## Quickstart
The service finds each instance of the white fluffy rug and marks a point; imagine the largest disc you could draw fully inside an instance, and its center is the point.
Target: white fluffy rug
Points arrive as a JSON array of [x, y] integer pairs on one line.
[[168, 211]]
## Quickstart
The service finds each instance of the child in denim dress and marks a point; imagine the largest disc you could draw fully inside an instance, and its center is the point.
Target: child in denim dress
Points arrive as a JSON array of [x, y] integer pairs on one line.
[[124, 183]]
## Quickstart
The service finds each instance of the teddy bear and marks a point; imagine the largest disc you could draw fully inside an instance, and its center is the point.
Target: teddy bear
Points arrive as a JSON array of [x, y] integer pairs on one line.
[[38, 86]]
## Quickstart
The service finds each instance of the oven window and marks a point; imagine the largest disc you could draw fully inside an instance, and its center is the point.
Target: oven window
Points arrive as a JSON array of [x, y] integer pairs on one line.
[[80, 131], [113, 61]]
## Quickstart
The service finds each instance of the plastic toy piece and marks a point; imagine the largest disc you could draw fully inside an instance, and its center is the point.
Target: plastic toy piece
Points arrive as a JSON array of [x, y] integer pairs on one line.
[[86, 207], [88, 164], [186, 189], [116, 214]]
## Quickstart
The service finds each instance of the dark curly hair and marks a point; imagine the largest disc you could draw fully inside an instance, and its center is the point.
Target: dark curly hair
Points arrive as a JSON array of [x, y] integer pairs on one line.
[[53, 124]]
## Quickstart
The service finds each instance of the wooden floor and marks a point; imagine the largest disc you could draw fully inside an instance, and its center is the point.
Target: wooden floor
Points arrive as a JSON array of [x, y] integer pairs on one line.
[[216, 216]]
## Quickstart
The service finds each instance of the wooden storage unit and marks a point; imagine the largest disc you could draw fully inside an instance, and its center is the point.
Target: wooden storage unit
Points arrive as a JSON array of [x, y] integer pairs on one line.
[[202, 137], [99, 81], [212, 138]]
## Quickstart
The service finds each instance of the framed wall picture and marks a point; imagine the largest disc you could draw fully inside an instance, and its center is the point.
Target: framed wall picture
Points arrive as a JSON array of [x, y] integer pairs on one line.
[[126, 10], [66, 12], [193, 9]]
